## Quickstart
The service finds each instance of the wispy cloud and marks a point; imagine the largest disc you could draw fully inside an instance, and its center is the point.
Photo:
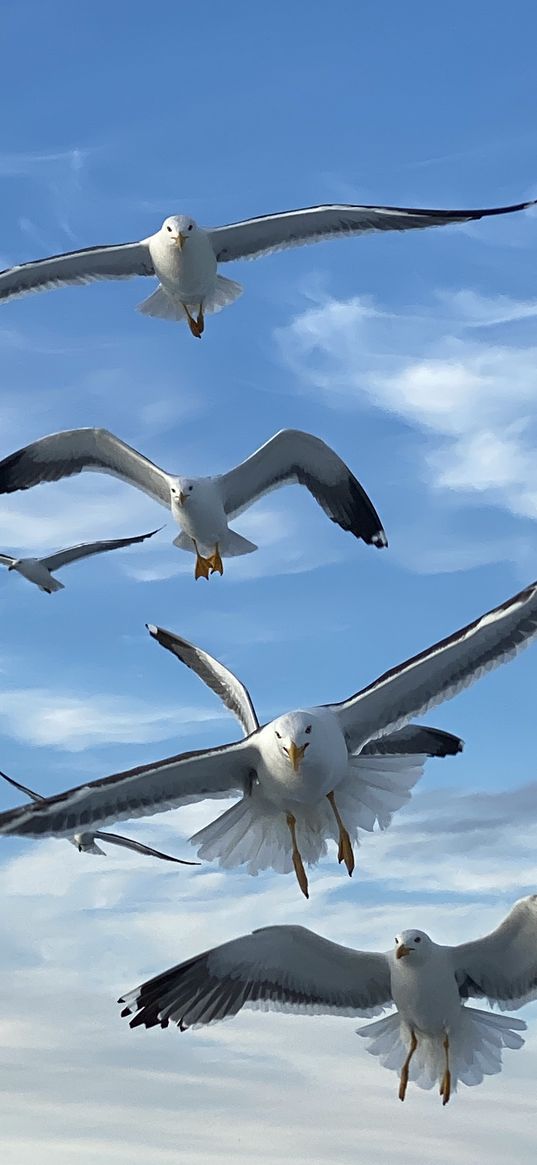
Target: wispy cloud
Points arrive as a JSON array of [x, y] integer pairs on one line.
[[42, 718]]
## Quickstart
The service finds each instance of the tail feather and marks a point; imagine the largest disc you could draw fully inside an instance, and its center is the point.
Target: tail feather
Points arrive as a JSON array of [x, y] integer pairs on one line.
[[475, 1047], [225, 291]]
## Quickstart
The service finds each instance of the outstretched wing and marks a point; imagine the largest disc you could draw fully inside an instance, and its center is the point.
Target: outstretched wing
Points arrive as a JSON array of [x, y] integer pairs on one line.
[[121, 261], [283, 968], [74, 450], [22, 788], [86, 549], [140, 848], [293, 456], [292, 228], [139, 792], [439, 672], [414, 740], [217, 677], [502, 965]]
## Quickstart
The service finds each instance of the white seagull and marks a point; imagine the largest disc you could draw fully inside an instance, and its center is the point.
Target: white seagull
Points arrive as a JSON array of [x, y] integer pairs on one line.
[[297, 776], [203, 506], [433, 1036], [38, 570], [86, 843], [382, 774], [184, 257]]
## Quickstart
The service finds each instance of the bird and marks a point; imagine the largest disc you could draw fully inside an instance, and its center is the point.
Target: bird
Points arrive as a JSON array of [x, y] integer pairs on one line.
[[184, 257], [86, 843], [399, 756], [202, 506], [432, 1037], [38, 570], [297, 775]]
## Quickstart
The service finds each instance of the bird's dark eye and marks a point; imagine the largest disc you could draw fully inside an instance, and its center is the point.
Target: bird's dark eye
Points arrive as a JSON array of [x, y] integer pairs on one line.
[[278, 735], [417, 939], [190, 489], [190, 227], [169, 229], [308, 730]]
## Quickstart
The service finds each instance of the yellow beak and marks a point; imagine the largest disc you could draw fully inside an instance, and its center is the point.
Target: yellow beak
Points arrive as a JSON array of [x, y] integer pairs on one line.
[[295, 753], [182, 498], [180, 239], [402, 951]]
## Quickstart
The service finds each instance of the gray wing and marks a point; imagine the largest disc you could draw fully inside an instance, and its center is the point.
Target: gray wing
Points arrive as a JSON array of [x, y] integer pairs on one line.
[[140, 848], [86, 549], [75, 450], [217, 677], [22, 788], [140, 792], [440, 672], [284, 968], [293, 456], [292, 228], [414, 740], [7, 559], [502, 965], [122, 261]]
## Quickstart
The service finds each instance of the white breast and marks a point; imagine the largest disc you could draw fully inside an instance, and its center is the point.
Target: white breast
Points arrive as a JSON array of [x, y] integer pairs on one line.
[[202, 516], [426, 995], [187, 273]]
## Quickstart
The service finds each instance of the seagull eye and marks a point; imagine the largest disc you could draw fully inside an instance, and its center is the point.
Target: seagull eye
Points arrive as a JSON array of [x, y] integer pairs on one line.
[[308, 730], [169, 229], [278, 735], [417, 939], [190, 227], [190, 489]]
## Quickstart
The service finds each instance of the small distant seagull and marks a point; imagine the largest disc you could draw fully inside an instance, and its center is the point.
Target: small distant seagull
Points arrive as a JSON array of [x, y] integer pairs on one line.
[[38, 570], [432, 1038], [184, 257], [86, 842], [202, 506]]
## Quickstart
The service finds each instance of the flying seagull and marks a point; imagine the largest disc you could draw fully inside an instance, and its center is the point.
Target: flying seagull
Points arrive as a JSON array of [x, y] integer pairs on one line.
[[86, 842], [184, 257], [432, 1037], [38, 570], [297, 776], [202, 506], [381, 784]]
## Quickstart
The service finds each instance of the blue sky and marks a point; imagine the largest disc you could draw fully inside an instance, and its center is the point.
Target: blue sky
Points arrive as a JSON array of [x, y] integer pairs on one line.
[[415, 357]]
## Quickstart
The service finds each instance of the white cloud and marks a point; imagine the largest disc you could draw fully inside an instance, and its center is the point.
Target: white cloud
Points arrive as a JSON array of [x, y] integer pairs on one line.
[[42, 718], [472, 401]]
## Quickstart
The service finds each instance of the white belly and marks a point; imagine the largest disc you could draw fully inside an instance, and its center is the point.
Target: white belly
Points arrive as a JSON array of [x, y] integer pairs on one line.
[[205, 523], [428, 1003], [187, 274], [35, 572], [314, 779]]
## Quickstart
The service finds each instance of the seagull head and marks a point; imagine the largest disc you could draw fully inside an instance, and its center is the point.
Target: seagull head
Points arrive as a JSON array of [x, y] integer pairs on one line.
[[178, 229], [182, 491], [412, 943], [294, 734]]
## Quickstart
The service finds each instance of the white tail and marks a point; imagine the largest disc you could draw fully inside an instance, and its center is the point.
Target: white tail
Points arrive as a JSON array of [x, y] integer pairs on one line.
[[254, 832], [475, 1047], [168, 307]]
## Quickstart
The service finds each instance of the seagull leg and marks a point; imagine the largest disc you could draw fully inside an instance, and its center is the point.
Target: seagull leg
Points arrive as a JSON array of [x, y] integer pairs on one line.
[[201, 321], [203, 565], [404, 1070], [217, 566], [345, 852], [445, 1087], [193, 324], [298, 864]]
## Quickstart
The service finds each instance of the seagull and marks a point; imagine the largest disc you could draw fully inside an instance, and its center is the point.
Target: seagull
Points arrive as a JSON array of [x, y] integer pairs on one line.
[[432, 1037], [38, 570], [405, 752], [86, 842], [302, 777], [202, 506], [184, 257]]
